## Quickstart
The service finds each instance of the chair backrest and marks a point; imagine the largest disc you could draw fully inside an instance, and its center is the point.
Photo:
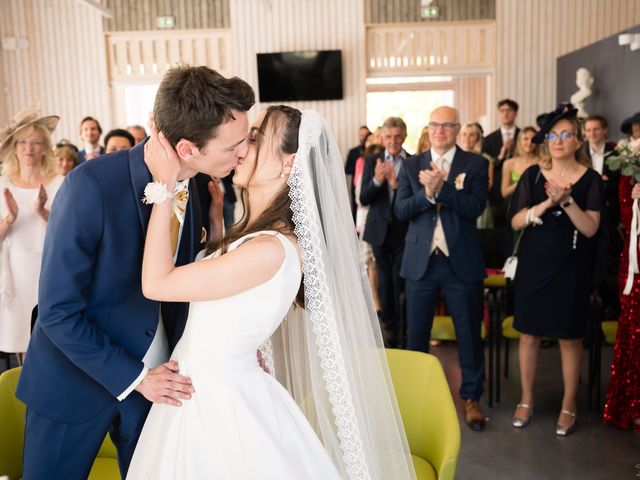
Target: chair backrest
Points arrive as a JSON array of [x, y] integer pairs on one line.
[[11, 425], [427, 409]]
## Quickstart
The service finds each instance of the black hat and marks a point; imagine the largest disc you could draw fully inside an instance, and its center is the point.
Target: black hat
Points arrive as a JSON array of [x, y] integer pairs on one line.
[[563, 111], [626, 125]]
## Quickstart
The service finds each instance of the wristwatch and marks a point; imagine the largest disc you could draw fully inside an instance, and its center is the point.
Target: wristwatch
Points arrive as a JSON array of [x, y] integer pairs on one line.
[[566, 203]]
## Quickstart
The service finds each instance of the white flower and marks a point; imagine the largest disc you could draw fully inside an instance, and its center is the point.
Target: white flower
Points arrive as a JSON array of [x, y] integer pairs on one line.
[[155, 192], [459, 182]]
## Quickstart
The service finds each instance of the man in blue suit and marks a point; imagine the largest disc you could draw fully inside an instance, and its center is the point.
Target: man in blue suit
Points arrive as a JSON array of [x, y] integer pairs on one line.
[[383, 231], [442, 192], [99, 350]]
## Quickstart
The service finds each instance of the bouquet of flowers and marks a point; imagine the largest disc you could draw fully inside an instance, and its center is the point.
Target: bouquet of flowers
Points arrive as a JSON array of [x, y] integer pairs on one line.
[[626, 158]]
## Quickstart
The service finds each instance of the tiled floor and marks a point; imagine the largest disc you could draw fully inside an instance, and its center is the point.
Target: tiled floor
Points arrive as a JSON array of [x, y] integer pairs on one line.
[[501, 452]]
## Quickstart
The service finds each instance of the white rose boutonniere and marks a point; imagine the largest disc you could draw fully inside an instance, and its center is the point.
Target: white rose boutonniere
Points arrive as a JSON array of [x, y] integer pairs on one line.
[[155, 192], [460, 181]]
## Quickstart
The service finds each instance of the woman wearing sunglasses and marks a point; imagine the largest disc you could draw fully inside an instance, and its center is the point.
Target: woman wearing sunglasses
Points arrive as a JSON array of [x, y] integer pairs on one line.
[[557, 207]]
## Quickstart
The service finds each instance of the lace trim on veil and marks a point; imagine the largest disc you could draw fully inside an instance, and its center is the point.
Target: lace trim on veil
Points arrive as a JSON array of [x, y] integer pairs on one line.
[[318, 300]]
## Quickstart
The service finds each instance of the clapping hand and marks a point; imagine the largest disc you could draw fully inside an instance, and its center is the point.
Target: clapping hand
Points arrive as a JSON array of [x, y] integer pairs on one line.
[[432, 180], [41, 200], [12, 207], [164, 384], [161, 158], [380, 172], [557, 193], [390, 174]]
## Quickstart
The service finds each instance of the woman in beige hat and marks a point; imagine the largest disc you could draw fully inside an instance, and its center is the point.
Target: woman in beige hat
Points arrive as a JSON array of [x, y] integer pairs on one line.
[[28, 184]]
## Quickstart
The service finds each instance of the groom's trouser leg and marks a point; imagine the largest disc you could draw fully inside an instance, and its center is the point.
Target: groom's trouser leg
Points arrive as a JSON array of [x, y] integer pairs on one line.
[[54, 450], [126, 427]]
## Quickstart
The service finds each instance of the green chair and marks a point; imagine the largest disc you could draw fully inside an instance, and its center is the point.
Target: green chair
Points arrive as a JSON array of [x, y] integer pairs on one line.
[[428, 413], [12, 413]]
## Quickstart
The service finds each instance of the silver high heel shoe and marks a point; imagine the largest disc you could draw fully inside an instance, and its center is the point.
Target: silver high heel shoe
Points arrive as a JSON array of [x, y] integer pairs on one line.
[[520, 422], [569, 429]]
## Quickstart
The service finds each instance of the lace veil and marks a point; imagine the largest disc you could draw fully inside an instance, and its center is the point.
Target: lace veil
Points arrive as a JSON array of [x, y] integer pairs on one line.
[[330, 355]]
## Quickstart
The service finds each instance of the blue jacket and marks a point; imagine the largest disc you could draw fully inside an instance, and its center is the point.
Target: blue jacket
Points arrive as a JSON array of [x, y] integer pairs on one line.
[[94, 325], [460, 209]]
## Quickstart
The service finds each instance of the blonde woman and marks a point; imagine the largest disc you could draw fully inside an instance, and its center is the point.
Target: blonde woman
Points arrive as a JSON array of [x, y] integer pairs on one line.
[[470, 139], [557, 204], [28, 184], [527, 154], [424, 143], [66, 158]]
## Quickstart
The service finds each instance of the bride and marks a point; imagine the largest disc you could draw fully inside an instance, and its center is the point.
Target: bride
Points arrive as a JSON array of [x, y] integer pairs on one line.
[[285, 280]]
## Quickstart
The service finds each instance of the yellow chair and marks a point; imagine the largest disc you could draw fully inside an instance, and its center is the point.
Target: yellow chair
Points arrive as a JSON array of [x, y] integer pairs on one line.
[[428, 413], [609, 330], [12, 413], [443, 329]]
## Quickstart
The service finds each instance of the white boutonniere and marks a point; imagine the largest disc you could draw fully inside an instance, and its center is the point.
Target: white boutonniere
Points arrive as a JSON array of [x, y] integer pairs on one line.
[[155, 192], [460, 181]]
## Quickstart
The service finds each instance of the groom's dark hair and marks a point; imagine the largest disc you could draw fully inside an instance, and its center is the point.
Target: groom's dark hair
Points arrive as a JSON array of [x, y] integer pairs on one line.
[[192, 102]]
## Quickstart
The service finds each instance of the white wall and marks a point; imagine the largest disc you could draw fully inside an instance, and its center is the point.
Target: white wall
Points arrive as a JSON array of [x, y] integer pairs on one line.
[[259, 26], [63, 68], [531, 34]]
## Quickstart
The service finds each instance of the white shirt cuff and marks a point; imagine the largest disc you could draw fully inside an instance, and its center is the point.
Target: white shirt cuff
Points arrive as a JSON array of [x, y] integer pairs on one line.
[[376, 182], [431, 199], [132, 387]]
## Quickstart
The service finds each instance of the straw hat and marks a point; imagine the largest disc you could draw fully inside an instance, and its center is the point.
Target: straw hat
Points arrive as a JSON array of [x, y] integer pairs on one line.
[[23, 119]]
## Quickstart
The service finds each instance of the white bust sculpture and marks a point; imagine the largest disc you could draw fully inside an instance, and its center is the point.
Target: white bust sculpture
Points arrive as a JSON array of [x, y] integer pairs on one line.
[[584, 81]]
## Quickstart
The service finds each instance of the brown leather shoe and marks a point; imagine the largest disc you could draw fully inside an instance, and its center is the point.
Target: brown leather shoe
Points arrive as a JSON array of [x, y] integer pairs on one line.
[[473, 415]]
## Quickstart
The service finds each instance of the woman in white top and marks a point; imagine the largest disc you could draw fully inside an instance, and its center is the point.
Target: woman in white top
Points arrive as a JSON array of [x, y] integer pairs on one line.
[[28, 184]]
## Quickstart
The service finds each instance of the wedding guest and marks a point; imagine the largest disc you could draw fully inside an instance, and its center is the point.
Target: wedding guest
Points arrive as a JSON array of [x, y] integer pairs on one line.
[[441, 194], [557, 204], [118, 139], [500, 145], [596, 147], [138, 132], [471, 141], [631, 126], [424, 144], [90, 132], [28, 184], [383, 230], [349, 167], [527, 154], [622, 407], [66, 157]]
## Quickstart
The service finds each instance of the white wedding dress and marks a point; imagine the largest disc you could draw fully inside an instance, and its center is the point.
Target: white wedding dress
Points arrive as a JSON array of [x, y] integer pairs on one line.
[[240, 423]]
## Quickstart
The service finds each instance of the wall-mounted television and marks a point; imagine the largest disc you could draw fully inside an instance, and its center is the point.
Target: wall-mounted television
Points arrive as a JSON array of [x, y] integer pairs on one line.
[[291, 76]]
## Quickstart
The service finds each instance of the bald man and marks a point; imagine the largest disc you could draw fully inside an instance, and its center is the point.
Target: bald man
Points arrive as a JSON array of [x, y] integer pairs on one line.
[[441, 193]]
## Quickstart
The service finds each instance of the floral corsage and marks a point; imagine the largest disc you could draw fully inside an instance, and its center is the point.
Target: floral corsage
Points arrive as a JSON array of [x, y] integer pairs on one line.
[[459, 182], [155, 192]]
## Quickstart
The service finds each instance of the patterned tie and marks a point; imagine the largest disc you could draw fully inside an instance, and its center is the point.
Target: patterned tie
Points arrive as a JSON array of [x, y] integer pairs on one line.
[[180, 199]]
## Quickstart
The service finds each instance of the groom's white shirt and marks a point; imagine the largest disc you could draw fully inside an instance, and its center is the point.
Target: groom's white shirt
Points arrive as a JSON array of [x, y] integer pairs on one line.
[[158, 352]]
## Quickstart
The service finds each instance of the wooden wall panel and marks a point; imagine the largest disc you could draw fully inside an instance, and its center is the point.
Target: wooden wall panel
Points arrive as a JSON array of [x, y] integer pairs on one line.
[[189, 14], [63, 68], [259, 26], [532, 34], [403, 11]]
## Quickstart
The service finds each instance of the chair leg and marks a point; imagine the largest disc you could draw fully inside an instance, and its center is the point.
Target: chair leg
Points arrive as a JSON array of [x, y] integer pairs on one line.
[[506, 358]]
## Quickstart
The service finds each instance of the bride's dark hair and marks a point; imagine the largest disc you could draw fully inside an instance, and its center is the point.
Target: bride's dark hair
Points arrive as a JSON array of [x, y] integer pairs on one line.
[[284, 123]]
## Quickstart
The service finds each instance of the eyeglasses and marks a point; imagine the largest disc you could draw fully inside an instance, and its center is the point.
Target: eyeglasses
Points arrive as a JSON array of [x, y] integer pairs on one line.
[[552, 137], [24, 143], [446, 126]]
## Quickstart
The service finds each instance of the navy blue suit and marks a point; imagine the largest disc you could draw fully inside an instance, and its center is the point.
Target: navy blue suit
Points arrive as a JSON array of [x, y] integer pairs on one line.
[[385, 232], [83, 152], [460, 275], [94, 325]]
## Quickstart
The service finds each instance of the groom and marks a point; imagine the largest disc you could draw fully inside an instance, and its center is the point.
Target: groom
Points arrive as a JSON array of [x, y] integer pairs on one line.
[[99, 350]]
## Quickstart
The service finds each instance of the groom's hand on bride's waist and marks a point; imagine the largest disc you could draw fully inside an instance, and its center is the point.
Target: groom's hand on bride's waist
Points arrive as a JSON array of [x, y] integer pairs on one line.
[[164, 384]]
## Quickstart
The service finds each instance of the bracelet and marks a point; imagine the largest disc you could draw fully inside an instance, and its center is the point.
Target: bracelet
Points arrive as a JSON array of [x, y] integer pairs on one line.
[[532, 218], [155, 192], [567, 203]]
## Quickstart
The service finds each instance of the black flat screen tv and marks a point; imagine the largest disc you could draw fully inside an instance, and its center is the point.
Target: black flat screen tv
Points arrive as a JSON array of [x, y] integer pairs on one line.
[[291, 76]]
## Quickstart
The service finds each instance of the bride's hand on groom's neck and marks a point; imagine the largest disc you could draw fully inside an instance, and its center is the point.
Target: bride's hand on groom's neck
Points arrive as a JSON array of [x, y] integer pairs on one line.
[[161, 158], [164, 384]]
